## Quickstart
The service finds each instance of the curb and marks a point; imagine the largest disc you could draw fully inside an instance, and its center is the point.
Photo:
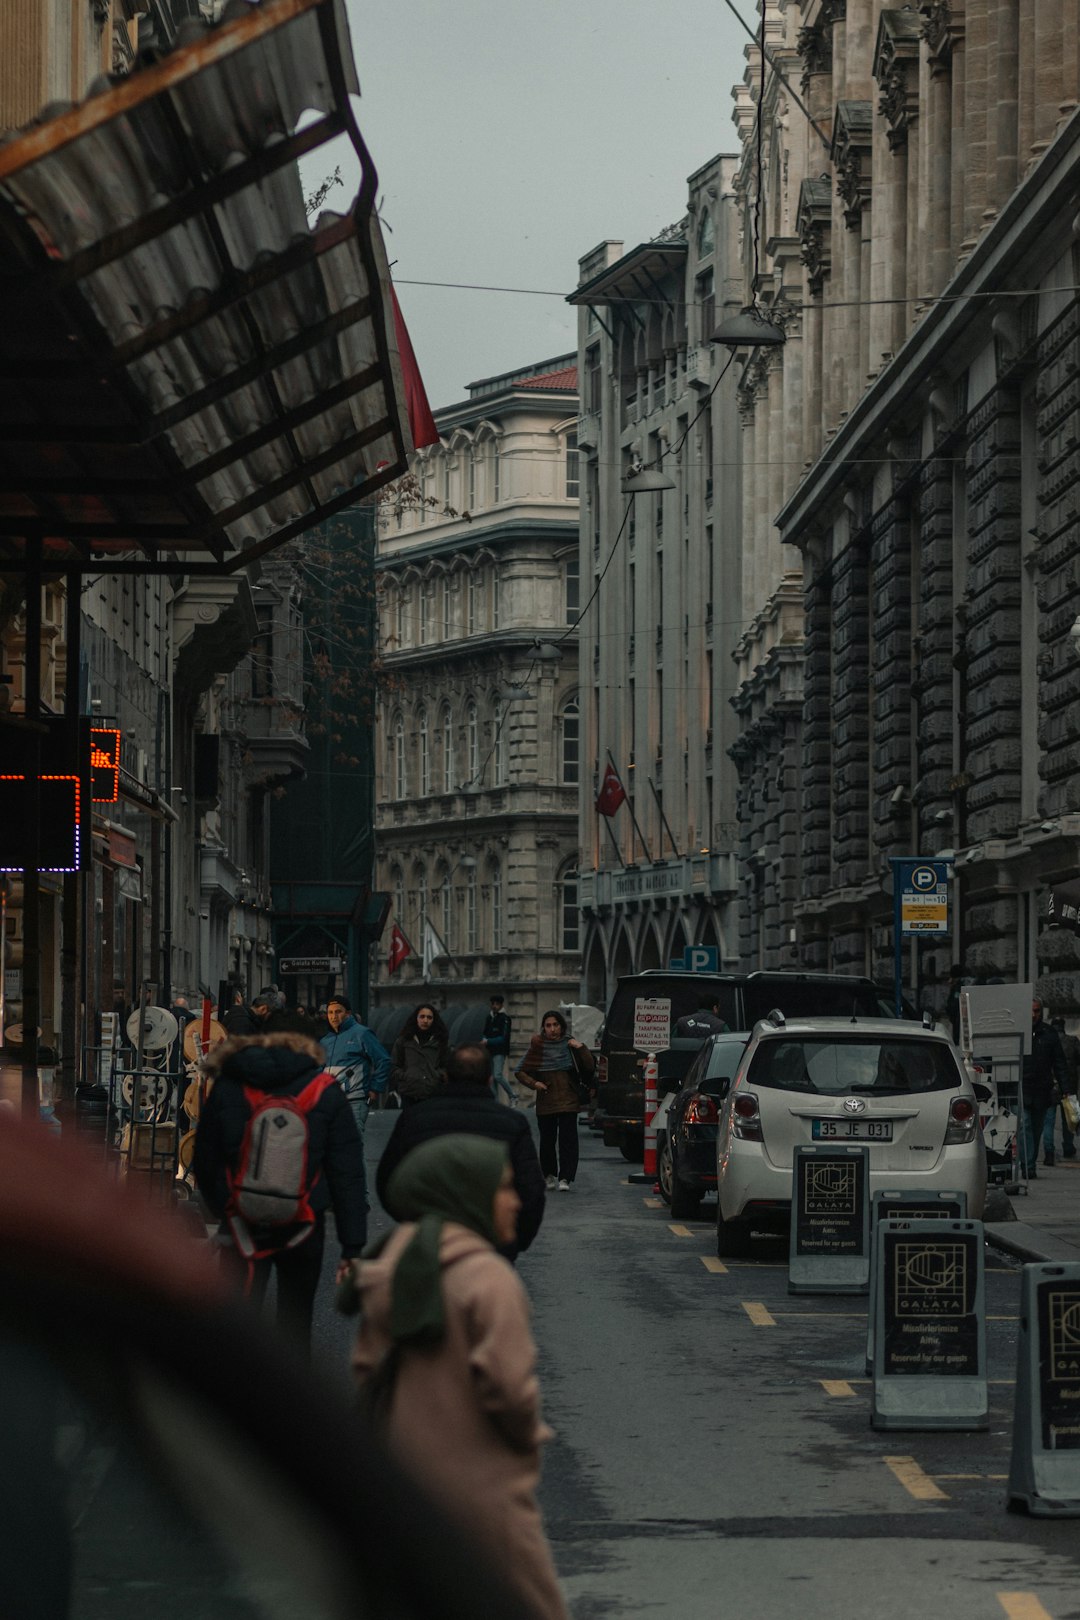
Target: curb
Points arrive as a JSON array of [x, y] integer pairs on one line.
[[1028, 1243]]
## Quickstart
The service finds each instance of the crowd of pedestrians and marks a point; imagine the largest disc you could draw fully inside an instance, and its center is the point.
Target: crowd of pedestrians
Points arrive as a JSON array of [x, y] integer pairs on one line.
[[444, 1346]]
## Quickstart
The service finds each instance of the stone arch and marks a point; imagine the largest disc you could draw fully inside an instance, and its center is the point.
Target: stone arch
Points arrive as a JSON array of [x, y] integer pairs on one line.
[[622, 956], [678, 940], [595, 973], [648, 949]]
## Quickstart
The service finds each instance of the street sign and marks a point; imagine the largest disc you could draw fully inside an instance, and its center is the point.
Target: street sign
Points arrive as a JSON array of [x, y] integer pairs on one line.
[[652, 1023], [830, 1221], [1044, 1473], [929, 1326], [315, 965], [697, 959], [922, 896], [907, 1206]]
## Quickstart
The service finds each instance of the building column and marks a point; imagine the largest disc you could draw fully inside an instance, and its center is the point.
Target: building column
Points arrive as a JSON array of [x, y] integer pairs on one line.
[[812, 402], [975, 121], [1025, 83], [1001, 134], [1048, 72]]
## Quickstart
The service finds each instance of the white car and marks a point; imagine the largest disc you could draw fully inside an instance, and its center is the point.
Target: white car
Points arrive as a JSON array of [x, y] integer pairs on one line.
[[895, 1086]]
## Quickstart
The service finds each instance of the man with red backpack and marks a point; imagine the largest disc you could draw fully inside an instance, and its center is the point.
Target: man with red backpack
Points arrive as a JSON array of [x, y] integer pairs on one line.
[[276, 1147]]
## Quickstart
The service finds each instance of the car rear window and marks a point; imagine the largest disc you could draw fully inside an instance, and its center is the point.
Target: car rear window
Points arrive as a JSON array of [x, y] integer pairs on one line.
[[832, 1067], [687, 995]]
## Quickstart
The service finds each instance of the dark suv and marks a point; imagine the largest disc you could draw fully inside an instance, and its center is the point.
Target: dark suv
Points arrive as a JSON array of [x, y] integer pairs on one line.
[[743, 998]]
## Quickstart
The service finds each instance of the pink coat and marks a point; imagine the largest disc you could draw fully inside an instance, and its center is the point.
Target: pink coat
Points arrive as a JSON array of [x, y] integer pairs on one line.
[[465, 1417]]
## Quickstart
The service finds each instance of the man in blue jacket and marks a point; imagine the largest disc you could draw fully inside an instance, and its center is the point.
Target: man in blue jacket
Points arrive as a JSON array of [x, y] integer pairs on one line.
[[359, 1063]]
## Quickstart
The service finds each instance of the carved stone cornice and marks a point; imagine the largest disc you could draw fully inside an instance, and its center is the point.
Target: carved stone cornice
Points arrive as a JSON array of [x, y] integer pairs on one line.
[[813, 223], [814, 46], [942, 28], [896, 69], [851, 156]]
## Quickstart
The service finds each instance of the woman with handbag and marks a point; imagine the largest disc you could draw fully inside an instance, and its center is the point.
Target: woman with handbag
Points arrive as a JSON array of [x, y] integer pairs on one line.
[[560, 1070], [446, 1360]]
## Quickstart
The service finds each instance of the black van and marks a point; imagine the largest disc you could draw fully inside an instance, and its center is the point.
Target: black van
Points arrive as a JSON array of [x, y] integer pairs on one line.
[[743, 998]]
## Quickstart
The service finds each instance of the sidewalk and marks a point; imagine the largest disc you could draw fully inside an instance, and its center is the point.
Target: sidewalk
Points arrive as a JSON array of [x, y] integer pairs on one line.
[[1045, 1221]]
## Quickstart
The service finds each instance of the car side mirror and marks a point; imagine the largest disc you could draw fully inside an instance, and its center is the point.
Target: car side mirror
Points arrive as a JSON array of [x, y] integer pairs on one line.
[[982, 1093]]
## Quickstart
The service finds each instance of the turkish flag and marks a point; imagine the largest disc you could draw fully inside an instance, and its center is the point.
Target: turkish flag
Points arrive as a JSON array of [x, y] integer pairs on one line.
[[612, 793], [400, 949], [421, 422]]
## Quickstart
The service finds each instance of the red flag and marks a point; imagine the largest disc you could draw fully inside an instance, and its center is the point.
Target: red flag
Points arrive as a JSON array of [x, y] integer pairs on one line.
[[612, 793], [400, 950], [421, 422]]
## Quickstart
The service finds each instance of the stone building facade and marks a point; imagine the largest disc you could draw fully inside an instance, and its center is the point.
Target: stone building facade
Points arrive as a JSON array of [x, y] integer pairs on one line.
[[919, 245], [478, 716], [664, 577]]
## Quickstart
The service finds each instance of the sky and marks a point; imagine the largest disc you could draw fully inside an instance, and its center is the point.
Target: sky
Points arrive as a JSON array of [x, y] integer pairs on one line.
[[511, 137]]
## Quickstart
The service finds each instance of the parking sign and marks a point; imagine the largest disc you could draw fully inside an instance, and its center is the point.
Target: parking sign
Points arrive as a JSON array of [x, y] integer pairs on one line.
[[652, 1023]]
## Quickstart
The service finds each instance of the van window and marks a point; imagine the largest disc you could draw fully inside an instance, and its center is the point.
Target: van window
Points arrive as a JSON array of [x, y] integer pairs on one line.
[[687, 995], [805, 998], [834, 1067]]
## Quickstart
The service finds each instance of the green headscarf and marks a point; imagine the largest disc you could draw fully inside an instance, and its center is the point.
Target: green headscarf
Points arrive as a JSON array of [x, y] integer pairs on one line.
[[450, 1178]]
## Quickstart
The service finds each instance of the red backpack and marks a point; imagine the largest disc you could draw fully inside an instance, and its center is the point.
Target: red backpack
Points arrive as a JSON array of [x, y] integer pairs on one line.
[[270, 1189]]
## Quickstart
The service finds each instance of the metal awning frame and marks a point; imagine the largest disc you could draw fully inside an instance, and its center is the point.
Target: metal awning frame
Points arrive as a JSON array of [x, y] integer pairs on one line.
[[101, 359]]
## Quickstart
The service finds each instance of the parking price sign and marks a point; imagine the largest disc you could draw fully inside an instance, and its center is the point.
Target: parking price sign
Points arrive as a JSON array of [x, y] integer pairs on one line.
[[652, 1023], [920, 904]]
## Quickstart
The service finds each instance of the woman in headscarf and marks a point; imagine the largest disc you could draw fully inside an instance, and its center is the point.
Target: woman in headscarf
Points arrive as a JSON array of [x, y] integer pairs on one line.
[[557, 1067], [418, 1061], [445, 1339]]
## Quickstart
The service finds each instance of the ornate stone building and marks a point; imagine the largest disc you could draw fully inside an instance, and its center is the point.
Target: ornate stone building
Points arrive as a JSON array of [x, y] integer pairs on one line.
[[919, 242], [667, 574], [478, 718]]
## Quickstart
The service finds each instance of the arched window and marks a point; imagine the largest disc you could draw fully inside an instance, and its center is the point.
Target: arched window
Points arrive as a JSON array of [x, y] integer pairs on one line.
[[397, 757], [706, 235], [425, 613], [446, 608], [472, 744], [443, 901], [473, 620], [397, 889], [569, 915], [496, 473], [399, 616], [421, 884], [495, 880], [472, 479], [570, 741], [572, 466], [572, 587], [423, 740], [471, 933], [421, 480], [495, 598], [447, 750]]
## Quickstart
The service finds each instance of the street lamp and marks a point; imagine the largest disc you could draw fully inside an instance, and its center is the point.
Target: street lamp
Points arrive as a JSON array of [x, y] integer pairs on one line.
[[749, 329], [643, 480]]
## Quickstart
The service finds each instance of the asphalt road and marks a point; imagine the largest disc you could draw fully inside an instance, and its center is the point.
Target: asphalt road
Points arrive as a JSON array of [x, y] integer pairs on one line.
[[713, 1460]]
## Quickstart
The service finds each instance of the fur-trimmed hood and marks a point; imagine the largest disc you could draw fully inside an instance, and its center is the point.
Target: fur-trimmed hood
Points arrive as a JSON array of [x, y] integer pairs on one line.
[[270, 1062]]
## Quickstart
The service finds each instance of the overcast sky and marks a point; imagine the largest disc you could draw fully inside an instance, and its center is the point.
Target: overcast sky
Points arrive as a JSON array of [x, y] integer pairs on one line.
[[511, 137]]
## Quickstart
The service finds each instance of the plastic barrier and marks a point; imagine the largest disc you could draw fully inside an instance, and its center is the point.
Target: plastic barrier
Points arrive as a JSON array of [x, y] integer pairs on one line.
[[1044, 1474], [906, 1206], [830, 1221]]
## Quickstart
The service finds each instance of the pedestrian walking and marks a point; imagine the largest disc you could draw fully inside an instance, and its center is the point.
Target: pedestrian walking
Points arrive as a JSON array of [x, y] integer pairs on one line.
[[237, 1019], [558, 1068], [497, 1031], [1045, 1077], [1070, 1049], [355, 1057], [247, 1071], [465, 1104], [446, 1356], [418, 1060]]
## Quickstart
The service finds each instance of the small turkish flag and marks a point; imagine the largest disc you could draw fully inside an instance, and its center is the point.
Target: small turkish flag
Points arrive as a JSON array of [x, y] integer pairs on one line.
[[612, 793], [400, 950]]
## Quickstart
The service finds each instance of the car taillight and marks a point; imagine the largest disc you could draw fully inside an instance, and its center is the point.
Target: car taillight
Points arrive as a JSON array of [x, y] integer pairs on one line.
[[746, 1118], [601, 1072], [701, 1111], [963, 1122]]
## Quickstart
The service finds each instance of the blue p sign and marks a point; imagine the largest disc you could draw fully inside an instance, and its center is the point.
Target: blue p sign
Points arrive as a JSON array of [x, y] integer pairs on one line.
[[702, 959]]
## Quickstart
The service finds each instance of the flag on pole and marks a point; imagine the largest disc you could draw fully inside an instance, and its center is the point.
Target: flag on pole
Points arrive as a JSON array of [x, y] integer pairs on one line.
[[433, 946], [400, 950], [612, 793], [421, 422]]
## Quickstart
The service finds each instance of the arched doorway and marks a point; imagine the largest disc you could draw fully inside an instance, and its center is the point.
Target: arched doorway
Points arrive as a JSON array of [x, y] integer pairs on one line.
[[622, 959], [595, 975], [710, 932], [678, 942], [649, 949]]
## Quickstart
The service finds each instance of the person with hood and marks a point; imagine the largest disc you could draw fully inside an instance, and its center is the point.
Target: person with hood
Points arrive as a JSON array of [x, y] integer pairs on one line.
[[418, 1060], [358, 1061], [446, 1356], [557, 1067], [283, 1065], [465, 1104]]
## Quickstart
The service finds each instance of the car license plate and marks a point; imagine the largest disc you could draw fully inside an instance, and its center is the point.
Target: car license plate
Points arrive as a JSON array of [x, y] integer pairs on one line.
[[852, 1130]]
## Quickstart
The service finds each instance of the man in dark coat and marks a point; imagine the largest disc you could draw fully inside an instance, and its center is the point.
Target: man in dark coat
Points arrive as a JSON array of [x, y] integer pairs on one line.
[[1045, 1080], [464, 1104], [284, 1064], [704, 1022]]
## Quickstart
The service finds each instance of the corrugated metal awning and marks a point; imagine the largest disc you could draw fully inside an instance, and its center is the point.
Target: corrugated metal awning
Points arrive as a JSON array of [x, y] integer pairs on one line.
[[189, 373]]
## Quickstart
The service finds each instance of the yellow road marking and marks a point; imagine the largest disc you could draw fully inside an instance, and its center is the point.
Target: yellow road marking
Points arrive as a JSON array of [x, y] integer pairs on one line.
[[1022, 1606], [680, 1231], [653, 1203], [757, 1313], [836, 1386], [711, 1263], [917, 1483]]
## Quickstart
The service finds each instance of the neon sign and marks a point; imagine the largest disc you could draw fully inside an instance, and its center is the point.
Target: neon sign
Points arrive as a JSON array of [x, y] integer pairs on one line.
[[104, 765]]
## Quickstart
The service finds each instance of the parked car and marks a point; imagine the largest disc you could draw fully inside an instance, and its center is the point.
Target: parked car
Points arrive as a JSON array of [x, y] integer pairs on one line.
[[743, 998], [686, 1142], [900, 1089]]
